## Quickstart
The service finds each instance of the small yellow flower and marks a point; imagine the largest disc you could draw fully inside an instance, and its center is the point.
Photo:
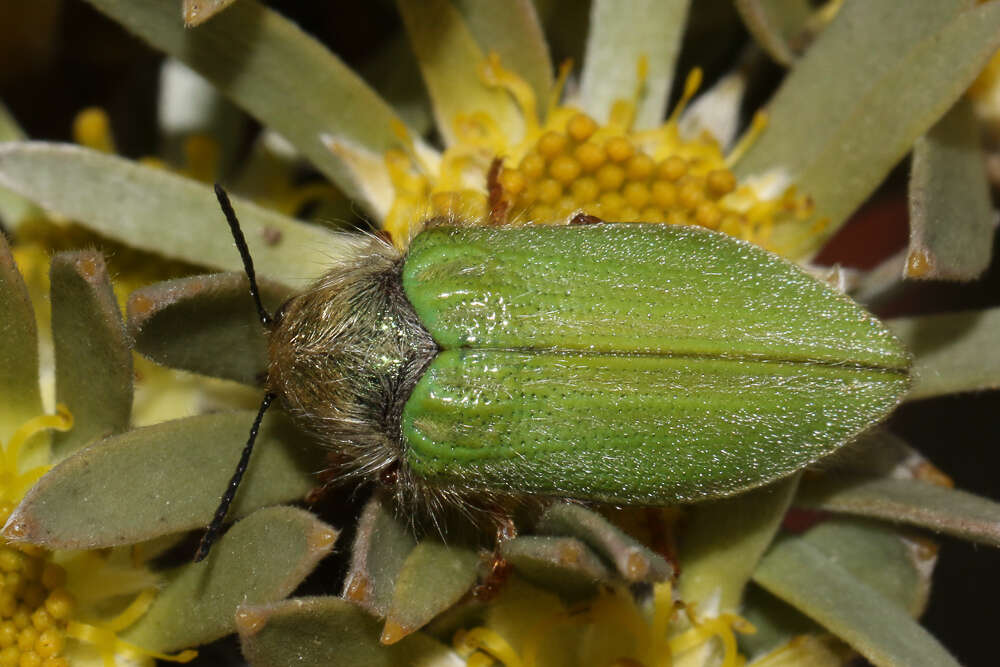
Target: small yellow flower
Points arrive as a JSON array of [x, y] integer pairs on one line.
[[53, 604], [569, 165]]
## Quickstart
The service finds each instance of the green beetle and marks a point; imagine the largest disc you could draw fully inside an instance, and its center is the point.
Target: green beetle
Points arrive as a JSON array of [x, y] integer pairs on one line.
[[628, 363]]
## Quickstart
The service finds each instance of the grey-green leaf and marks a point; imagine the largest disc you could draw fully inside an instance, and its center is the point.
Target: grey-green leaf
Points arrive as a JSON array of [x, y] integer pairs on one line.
[[563, 564], [877, 627], [206, 324], [14, 209], [93, 358], [380, 548], [951, 215], [261, 559], [773, 23], [434, 577], [953, 352], [633, 560], [725, 539], [166, 214], [620, 34], [162, 479], [278, 73], [513, 31], [196, 12], [450, 57], [329, 632], [950, 511], [879, 556], [836, 132], [20, 399]]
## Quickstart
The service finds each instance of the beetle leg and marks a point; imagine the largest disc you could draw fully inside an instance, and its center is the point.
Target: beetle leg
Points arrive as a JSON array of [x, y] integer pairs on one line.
[[499, 568]]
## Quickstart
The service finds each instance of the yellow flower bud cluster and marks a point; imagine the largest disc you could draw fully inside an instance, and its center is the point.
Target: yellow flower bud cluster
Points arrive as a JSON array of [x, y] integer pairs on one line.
[[578, 171], [34, 607]]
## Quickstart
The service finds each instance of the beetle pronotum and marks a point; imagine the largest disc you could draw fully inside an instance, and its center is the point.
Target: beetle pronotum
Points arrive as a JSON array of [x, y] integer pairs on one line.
[[631, 363]]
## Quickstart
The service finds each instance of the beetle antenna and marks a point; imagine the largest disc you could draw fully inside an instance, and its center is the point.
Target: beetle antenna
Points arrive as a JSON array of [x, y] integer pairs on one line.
[[241, 245], [212, 532]]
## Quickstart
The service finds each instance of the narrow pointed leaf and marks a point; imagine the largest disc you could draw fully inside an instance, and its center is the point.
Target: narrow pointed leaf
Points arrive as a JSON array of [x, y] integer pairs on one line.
[[877, 627], [14, 208], [620, 34], [261, 559], [725, 539], [562, 564], [877, 555], [953, 352], [450, 57], [634, 561], [950, 511], [20, 399], [196, 12], [951, 216], [512, 30], [206, 324], [279, 74], [329, 632], [836, 133], [773, 23], [93, 358], [434, 576], [380, 548], [162, 479], [163, 213]]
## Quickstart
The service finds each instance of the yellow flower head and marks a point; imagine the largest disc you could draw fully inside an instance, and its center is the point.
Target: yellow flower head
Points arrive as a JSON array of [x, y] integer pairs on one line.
[[569, 165]]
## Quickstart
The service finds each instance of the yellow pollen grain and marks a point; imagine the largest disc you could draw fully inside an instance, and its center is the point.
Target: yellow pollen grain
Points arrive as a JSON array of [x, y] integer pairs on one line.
[[629, 214], [30, 659], [552, 144], [708, 215], [640, 167], [636, 195], [720, 182], [580, 127], [26, 638], [590, 156], [58, 661], [8, 634], [59, 604], [664, 194], [585, 189], [532, 166], [50, 643], [690, 194], [611, 204], [619, 149], [610, 177], [672, 168], [42, 620], [512, 181], [549, 191], [564, 169]]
